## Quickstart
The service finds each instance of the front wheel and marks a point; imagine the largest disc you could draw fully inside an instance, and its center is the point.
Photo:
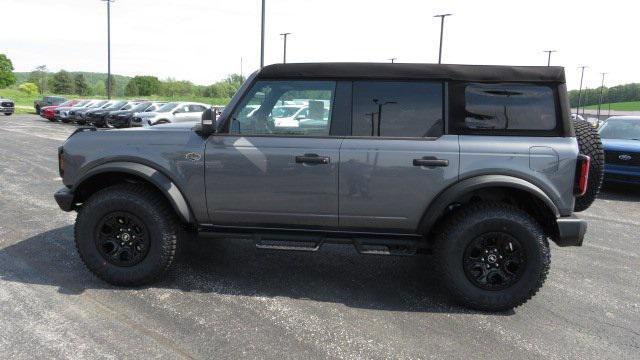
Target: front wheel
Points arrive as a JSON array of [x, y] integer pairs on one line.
[[492, 256], [8, 114], [126, 234]]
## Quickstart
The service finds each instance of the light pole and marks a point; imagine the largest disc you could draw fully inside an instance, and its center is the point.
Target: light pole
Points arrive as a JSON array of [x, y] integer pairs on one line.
[[549, 57], [600, 99], [284, 55], [108, 47], [441, 16], [393, 60], [262, 39], [380, 105], [580, 90]]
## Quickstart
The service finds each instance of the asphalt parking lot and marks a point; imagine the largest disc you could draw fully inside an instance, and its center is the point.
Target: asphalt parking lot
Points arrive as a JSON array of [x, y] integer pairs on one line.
[[225, 299]]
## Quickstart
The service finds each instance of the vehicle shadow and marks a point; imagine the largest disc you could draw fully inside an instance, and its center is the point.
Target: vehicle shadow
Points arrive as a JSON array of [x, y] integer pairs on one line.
[[336, 274], [620, 192]]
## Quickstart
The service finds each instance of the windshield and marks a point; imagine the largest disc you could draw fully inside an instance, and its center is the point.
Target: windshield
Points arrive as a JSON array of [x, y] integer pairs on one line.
[[81, 103], [67, 103], [621, 129], [116, 105], [141, 107], [284, 111], [98, 104], [167, 107]]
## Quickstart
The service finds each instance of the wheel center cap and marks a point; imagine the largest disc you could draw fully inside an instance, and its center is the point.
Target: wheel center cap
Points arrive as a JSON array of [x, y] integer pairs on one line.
[[492, 258], [126, 237]]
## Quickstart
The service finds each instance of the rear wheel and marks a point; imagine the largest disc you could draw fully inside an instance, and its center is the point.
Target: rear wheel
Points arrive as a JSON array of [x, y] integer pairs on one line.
[[492, 256], [590, 144], [126, 234]]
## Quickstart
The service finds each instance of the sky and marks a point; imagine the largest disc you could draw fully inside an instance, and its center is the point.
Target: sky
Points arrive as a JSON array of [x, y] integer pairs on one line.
[[204, 40]]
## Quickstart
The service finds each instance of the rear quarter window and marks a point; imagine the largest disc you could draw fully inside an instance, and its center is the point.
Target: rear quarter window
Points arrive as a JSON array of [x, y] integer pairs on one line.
[[504, 109]]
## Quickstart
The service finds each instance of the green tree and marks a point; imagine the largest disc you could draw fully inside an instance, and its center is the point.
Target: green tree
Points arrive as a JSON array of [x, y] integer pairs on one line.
[[28, 88], [81, 86], [39, 76], [100, 88], [62, 83], [131, 89], [7, 78], [147, 85]]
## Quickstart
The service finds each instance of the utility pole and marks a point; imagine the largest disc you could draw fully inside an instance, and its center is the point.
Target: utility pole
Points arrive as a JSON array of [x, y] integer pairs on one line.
[[600, 99], [108, 47], [580, 90], [393, 60], [441, 16], [262, 38], [284, 55], [549, 57]]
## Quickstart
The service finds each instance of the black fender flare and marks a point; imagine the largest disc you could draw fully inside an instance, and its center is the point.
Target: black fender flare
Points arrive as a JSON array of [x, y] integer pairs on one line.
[[459, 189], [155, 177]]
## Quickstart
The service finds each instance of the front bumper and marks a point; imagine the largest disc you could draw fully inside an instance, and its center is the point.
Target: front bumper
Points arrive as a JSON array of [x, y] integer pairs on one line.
[[7, 110], [571, 231], [64, 198]]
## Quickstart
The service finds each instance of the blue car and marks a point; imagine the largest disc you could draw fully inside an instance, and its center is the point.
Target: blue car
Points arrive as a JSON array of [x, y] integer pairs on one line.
[[621, 140]]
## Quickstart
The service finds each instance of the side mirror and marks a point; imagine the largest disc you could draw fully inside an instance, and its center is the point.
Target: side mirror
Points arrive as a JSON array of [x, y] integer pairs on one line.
[[208, 123]]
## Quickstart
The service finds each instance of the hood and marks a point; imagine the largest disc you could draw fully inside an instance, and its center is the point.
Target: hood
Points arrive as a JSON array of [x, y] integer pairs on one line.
[[621, 145], [148, 114]]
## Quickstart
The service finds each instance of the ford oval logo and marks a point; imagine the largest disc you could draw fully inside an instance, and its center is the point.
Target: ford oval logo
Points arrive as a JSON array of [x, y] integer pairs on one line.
[[624, 157]]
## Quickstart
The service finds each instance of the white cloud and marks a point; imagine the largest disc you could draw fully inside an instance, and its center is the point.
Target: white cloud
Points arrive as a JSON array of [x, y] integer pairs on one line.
[[203, 40]]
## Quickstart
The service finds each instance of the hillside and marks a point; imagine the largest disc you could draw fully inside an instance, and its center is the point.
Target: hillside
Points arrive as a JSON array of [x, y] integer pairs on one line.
[[92, 79]]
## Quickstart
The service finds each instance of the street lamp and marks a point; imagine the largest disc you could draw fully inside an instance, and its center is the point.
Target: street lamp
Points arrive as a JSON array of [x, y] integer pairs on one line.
[[441, 16], [393, 60], [262, 39], [580, 90], [284, 56], [108, 47], [380, 105], [600, 99], [549, 57]]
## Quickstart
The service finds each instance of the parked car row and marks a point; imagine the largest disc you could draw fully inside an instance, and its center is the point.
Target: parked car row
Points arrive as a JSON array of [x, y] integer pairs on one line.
[[123, 113]]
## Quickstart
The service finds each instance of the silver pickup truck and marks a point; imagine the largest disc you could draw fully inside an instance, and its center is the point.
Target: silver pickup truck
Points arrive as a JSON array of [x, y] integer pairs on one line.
[[475, 166]]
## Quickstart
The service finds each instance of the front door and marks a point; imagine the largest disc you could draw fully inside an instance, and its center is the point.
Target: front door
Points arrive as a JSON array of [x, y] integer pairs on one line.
[[260, 174]]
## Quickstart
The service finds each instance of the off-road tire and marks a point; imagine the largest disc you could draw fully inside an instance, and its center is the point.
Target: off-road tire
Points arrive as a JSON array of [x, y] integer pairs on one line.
[[8, 114], [463, 227], [590, 144], [152, 209]]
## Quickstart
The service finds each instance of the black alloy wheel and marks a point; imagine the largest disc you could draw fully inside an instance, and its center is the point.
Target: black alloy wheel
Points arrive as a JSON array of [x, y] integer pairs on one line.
[[494, 261], [122, 239]]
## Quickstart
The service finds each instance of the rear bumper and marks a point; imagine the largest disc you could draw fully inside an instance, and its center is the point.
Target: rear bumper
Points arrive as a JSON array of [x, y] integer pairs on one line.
[[64, 198], [571, 231]]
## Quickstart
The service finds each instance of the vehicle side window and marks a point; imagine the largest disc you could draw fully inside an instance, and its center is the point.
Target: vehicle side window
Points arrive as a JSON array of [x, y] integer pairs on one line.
[[182, 109], [279, 107], [397, 109], [503, 108], [196, 108]]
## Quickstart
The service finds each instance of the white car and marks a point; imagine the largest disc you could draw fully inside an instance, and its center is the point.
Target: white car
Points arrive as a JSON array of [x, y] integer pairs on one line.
[[172, 112], [289, 115]]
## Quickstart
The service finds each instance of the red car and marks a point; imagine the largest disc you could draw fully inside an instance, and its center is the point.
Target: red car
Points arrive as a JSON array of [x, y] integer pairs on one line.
[[48, 112]]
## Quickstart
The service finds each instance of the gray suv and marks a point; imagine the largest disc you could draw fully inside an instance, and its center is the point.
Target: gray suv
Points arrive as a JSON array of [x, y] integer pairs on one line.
[[477, 166]]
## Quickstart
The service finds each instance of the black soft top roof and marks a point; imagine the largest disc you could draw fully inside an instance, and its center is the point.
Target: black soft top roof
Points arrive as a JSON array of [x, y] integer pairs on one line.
[[493, 73]]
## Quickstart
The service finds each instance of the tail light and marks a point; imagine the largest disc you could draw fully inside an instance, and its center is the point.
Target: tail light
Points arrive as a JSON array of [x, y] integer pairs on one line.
[[582, 174], [61, 162]]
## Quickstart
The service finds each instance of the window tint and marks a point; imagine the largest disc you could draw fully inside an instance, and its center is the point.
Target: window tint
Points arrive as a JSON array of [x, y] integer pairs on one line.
[[506, 107], [297, 108], [196, 108], [397, 109]]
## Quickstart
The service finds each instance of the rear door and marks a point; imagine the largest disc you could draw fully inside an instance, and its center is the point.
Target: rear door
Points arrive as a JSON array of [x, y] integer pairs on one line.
[[181, 113], [398, 157], [260, 174]]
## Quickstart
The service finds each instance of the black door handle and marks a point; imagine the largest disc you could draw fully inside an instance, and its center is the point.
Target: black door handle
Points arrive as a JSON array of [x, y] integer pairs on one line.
[[430, 161], [312, 159]]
